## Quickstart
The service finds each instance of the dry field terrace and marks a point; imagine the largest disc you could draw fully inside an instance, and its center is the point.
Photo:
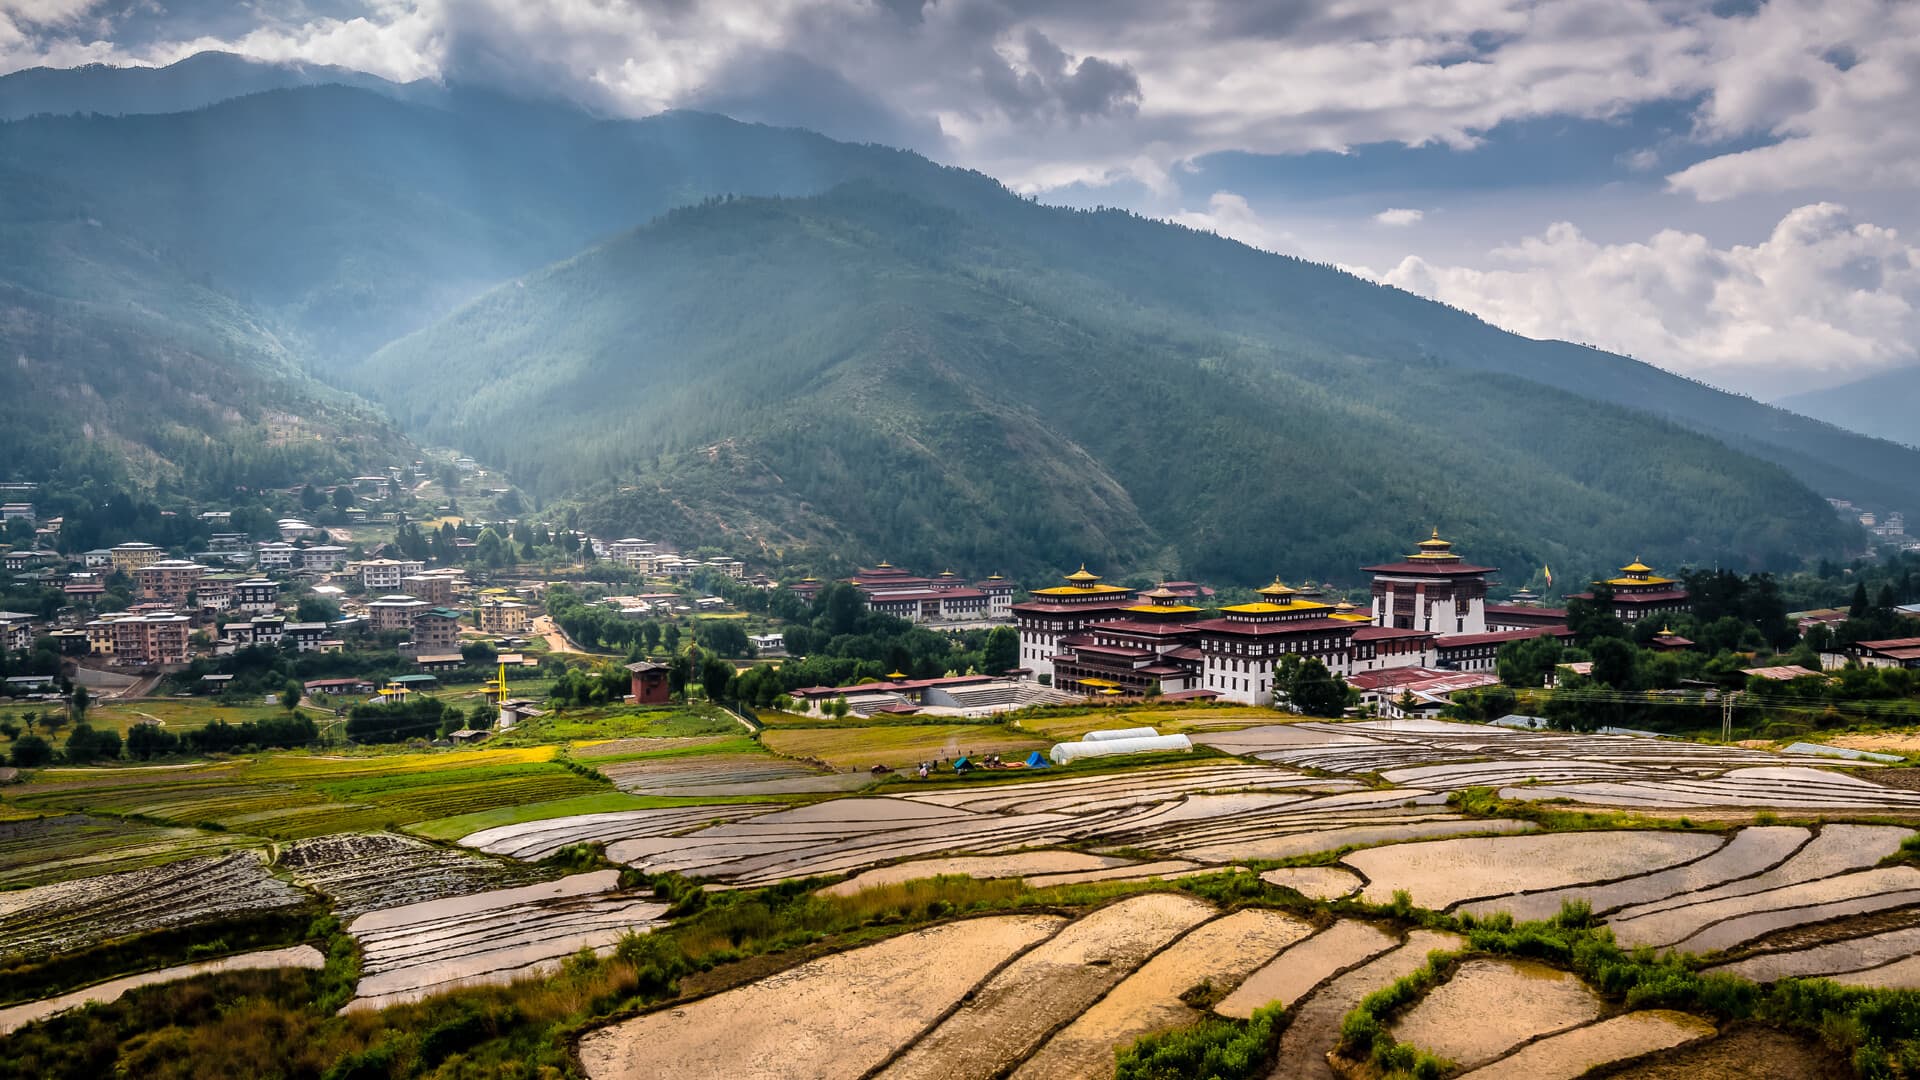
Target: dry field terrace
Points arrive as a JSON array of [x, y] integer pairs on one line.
[[1248, 900]]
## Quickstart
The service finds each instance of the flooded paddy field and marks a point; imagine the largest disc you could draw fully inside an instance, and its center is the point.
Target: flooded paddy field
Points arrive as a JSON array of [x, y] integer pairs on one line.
[[418, 949], [361, 872], [70, 915], [1047, 948]]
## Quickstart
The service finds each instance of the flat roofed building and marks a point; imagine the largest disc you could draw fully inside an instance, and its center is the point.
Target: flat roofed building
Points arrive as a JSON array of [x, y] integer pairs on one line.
[[394, 612], [170, 581], [385, 575], [502, 616], [150, 640], [436, 630], [133, 555], [435, 589], [256, 594]]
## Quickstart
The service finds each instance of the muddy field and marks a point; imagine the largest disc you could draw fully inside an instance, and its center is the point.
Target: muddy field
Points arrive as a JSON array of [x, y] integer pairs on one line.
[[40, 851], [417, 949], [74, 914], [360, 872]]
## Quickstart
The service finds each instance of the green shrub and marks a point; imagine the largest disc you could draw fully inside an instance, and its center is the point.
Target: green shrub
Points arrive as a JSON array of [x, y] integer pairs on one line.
[[1209, 1050]]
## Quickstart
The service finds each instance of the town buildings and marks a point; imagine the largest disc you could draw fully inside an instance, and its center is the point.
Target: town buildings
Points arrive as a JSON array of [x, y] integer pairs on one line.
[[258, 595], [16, 631], [385, 575], [132, 555], [394, 612], [150, 640], [502, 615], [169, 581], [436, 631]]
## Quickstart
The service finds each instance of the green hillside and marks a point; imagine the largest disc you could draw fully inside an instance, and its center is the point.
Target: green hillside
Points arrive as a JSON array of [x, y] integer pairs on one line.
[[867, 372], [124, 372], [930, 366]]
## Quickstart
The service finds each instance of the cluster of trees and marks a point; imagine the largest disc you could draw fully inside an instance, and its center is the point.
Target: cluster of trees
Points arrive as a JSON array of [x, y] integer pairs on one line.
[[1737, 622], [415, 718], [1304, 684]]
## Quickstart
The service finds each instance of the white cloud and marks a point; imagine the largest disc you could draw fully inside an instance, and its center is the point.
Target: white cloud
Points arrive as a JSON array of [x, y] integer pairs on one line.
[[1228, 214], [1399, 216], [1821, 298], [1052, 92], [1834, 82]]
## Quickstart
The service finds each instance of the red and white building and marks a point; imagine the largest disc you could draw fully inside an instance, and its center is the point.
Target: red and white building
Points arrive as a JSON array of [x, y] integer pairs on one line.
[[1432, 589], [1053, 614], [1240, 648], [1639, 593]]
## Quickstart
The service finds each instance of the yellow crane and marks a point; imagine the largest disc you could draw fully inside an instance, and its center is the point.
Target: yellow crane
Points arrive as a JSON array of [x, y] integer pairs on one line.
[[498, 687]]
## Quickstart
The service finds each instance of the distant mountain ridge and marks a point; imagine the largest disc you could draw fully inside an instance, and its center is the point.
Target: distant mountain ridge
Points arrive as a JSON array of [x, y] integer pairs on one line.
[[1886, 406], [196, 82], [343, 220]]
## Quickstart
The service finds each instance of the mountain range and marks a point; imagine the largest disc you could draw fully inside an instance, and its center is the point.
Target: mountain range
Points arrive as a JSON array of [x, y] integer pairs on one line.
[[715, 331], [1886, 405]]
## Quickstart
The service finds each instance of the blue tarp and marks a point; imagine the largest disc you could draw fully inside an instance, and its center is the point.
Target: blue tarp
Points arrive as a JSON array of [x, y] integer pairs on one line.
[[1036, 761]]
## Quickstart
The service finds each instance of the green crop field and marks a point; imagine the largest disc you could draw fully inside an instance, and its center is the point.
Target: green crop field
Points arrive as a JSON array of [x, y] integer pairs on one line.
[[287, 796], [899, 746], [177, 714]]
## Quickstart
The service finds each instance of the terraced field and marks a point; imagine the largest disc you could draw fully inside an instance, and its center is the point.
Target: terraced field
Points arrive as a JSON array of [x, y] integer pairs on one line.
[[414, 950], [897, 746], [39, 851], [1805, 870], [1045, 998], [74, 914], [1618, 771], [362, 872], [293, 796]]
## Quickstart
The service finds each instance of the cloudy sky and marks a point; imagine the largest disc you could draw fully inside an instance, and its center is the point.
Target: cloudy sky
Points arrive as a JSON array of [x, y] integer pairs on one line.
[[1722, 188]]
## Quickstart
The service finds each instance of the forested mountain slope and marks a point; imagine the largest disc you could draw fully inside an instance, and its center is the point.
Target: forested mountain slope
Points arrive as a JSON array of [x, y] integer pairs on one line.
[[350, 218], [122, 371], [867, 371], [1885, 405]]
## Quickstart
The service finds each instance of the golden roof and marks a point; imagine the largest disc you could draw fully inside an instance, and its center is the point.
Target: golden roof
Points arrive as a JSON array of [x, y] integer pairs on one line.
[[884, 565], [1082, 577], [1349, 616], [1079, 590], [1160, 592], [1278, 588], [1163, 609], [945, 573], [1636, 567], [1265, 607], [1434, 543], [896, 675]]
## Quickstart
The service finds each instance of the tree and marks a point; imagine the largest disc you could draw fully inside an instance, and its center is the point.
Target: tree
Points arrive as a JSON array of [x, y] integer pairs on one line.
[[80, 701], [10, 729], [317, 609], [1613, 661], [86, 744], [1306, 686], [1858, 609], [311, 498], [31, 752], [148, 741], [290, 694], [1001, 651], [342, 497], [716, 678], [671, 635]]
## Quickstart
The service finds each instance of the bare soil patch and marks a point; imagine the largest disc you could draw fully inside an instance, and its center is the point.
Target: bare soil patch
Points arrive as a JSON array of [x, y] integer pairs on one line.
[[1748, 1053], [1491, 1006], [836, 1017], [1009, 1016], [1573, 1053]]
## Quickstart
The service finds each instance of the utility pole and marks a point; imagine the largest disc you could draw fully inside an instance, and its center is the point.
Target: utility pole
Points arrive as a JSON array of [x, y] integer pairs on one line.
[[1726, 717]]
